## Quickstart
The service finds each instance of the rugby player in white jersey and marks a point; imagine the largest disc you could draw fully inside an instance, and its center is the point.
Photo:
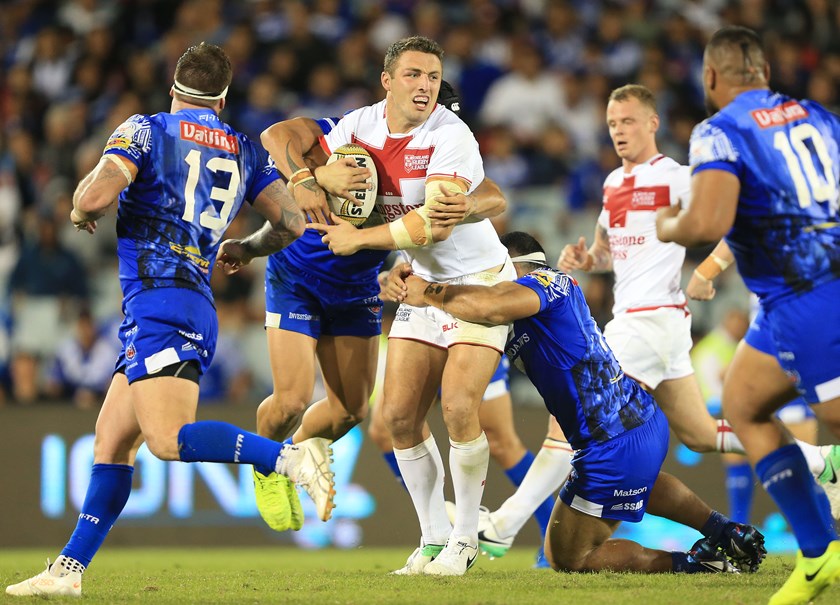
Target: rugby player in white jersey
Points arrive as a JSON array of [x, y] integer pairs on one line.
[[651, 328], [422, 150]]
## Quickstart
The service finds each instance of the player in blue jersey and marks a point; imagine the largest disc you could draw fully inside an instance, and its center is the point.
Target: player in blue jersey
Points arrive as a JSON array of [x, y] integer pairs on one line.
[[181, 177], [606, 415], [765, 176], [319, 305]]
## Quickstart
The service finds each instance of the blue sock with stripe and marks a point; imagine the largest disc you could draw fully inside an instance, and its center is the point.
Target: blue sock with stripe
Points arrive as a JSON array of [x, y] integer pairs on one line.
[[107, 493], [785, 475], [739, 488], [215, 441]]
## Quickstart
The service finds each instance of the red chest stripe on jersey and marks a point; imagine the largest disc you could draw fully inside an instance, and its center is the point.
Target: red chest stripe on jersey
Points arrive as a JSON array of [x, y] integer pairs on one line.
[[627, 197], [396, 161], [209, 137]]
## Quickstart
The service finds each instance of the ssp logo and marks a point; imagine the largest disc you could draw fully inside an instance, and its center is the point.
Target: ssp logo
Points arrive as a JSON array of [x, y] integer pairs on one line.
[[357, 210]]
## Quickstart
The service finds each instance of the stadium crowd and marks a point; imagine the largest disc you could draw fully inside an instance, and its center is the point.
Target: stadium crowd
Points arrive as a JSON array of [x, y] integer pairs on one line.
[[534, 77]]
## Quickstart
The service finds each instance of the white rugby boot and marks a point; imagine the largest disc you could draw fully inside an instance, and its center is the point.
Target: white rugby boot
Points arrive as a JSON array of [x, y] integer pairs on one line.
[[307, 464], [54, 581], [417, 561], [455, 559]]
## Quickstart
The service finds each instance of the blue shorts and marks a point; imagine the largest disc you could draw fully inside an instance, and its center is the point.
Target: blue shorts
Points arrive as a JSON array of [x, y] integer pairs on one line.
[[165, 326], [759, 336], [301, 302], [613, 480], [806, 331]]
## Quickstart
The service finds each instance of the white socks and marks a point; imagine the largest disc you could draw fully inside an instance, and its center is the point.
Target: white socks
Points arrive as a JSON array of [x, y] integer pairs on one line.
[[64, 565], [548, 472], [422, 471], [468, 463], [727, 441]]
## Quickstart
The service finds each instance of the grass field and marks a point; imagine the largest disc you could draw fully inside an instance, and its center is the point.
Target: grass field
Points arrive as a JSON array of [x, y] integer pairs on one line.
[[360, 576]]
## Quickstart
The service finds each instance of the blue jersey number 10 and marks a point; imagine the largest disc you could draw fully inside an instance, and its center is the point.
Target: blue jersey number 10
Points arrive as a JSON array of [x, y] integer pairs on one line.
[[799, 158]]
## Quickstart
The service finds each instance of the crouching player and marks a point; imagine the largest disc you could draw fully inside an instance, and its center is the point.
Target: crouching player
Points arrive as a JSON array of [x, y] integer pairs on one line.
[[606, 416]]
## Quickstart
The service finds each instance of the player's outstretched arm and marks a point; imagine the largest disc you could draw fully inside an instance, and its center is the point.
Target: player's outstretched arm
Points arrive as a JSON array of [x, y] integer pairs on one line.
[[494, 305], [714, 200], [284, 224], [701, 285], [99, 189]]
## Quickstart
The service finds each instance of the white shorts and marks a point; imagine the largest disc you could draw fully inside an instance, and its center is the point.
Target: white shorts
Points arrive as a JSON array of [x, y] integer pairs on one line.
[[652, 346], [440, 329]]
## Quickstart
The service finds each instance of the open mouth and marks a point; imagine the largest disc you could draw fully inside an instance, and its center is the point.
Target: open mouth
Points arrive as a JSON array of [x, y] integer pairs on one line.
[[421, 102]]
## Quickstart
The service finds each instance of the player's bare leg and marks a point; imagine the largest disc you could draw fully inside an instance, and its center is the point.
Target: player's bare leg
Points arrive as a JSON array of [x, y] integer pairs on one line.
[[412, 375], [348, 364], [496, 418], [292, 357], [580, 542], [683, 404]]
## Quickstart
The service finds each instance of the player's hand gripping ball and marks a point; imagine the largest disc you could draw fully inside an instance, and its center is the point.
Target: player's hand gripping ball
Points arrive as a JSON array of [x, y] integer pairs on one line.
[[355, 211]]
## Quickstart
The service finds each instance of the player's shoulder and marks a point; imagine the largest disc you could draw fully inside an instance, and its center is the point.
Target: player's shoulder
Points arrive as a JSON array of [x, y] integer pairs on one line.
[[711, 140], [446, 122], [554, 283], [366, 116], [134, 132], [614, 178]]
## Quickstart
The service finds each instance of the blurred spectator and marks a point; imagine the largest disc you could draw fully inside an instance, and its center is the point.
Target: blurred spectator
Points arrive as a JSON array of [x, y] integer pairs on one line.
[[45, 282], [260, 110], [83, 364], [527, 99], [503, 163], [586, 180], [83, 16], [466, 72], [549, 164]]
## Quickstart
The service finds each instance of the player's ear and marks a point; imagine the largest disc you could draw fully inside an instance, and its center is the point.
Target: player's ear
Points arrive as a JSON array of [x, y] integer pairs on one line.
[[385, 78], [711, 76], [654, 122]]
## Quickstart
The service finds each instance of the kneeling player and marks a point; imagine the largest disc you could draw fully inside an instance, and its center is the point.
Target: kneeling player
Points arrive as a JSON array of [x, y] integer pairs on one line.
[[607, 417]]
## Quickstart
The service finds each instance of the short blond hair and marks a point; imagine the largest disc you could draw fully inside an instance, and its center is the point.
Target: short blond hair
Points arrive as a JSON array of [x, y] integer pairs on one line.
[[635, 91]]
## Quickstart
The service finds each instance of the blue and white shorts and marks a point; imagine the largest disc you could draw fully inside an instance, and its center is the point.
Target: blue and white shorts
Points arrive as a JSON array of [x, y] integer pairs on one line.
[[165, 326], [613, 480]]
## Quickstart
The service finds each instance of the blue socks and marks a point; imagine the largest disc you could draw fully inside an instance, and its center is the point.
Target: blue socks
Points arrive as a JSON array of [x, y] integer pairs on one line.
[[739, 488], [516, 474], [107, 493], [391, 459], [785, 475], [214, 441]]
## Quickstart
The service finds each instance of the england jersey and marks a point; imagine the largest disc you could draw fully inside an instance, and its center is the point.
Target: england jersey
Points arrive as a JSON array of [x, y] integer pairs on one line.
[[442, 146], [194, 172], [647, 271], [564, 354], [785, 154], [310, 254]]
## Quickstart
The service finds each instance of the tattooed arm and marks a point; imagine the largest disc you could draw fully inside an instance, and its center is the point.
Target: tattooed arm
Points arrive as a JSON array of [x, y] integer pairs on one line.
[[289, 143], [284, 224], [494, 305], [98, 190]]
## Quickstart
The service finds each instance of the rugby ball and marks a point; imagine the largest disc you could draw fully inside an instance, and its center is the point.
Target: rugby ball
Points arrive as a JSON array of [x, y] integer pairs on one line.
[[355, 211]]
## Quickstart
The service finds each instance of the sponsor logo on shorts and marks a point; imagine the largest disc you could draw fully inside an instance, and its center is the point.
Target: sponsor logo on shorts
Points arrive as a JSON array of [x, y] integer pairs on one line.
[[628, 506], [452, 326], [130, 332], [513, 350], [402, 314], [301, 316], [625, 493], [130, 352], [191, 335]]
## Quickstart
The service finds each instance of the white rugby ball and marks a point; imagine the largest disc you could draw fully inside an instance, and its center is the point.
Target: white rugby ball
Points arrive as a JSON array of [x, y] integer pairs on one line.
[[355, 211]]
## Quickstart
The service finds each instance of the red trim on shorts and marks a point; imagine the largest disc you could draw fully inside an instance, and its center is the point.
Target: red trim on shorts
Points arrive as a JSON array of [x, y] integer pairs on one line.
[[683, 307], [477, 344]]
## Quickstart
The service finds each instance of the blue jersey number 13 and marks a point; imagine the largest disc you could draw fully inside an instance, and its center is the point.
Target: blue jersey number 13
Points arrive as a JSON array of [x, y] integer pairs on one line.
[[225, 195]]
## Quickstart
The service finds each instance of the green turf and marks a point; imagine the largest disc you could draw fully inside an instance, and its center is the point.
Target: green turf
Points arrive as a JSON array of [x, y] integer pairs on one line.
[[289, 575]]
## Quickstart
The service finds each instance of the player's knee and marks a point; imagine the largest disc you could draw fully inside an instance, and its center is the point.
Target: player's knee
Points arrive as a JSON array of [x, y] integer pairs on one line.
[[164, 447], [286, 405], [399, 424]]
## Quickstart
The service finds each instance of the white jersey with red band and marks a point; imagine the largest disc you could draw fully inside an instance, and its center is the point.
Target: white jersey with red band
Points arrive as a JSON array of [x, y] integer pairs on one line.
[[442, 146], [647, 271]]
